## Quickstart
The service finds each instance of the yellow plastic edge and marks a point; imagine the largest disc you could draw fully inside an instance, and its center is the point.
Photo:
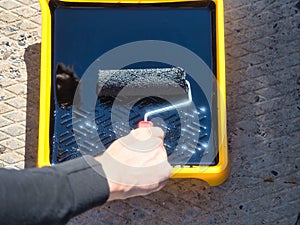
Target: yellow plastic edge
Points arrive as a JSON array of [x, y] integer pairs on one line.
[[127, 1], [45, 87], [213, 175]]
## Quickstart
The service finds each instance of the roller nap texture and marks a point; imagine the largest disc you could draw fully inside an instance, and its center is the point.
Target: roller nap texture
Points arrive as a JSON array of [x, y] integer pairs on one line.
[[142, 82]]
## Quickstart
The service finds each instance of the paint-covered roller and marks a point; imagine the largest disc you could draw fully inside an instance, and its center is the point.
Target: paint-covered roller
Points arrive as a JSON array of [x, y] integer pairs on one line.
[[161, 82], [135, 82]]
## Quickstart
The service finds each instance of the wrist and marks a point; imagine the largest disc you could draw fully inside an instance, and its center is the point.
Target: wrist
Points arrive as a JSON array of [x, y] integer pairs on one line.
[[115, 189]]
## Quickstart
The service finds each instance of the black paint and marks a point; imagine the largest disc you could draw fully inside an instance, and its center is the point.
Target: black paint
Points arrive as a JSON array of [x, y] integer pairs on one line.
[[82, 33]]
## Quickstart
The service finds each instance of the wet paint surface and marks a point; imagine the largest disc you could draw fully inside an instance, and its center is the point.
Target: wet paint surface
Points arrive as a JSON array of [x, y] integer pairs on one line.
[[81, 35]]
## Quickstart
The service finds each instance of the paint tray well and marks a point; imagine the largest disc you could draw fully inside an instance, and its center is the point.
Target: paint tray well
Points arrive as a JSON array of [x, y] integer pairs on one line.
[[82, 32]]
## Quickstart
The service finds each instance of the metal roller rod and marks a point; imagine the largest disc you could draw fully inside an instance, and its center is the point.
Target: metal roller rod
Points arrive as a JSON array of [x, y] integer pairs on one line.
[[171, 107]]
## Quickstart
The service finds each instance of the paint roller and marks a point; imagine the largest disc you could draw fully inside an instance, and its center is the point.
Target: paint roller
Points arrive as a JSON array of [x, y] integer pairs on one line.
[[163, 82]]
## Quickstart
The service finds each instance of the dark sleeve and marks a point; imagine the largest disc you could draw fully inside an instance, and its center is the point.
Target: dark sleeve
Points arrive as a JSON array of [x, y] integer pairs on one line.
[[51, 195]]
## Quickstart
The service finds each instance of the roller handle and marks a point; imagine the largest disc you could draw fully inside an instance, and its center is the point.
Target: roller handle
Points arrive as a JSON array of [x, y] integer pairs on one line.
[[145, 124]]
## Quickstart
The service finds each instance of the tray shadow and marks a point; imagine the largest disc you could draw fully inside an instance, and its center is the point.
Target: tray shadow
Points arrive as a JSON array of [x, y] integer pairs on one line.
[[32, 57]]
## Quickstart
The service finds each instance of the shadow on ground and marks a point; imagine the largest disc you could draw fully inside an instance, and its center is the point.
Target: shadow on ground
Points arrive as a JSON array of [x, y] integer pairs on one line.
[[32, 60]]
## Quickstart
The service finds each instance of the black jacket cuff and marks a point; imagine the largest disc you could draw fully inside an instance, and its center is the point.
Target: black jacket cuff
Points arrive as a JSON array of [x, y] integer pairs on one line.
[[88, 182]]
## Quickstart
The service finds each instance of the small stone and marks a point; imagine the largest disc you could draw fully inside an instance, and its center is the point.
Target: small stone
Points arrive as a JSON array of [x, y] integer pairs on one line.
[[22, 40], [275, 173]]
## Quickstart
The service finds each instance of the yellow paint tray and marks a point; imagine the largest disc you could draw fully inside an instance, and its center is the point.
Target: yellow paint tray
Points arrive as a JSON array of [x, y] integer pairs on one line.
[[79, 35]]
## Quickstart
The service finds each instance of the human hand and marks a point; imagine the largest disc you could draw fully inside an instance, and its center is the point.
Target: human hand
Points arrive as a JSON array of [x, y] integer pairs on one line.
[[136, 164]]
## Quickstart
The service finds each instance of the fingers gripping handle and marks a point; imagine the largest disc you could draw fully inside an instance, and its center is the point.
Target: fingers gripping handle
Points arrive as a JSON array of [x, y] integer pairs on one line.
[[145, 124]]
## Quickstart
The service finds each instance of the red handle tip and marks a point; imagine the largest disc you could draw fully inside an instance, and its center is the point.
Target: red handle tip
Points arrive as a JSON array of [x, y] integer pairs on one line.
[[145, 124]]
